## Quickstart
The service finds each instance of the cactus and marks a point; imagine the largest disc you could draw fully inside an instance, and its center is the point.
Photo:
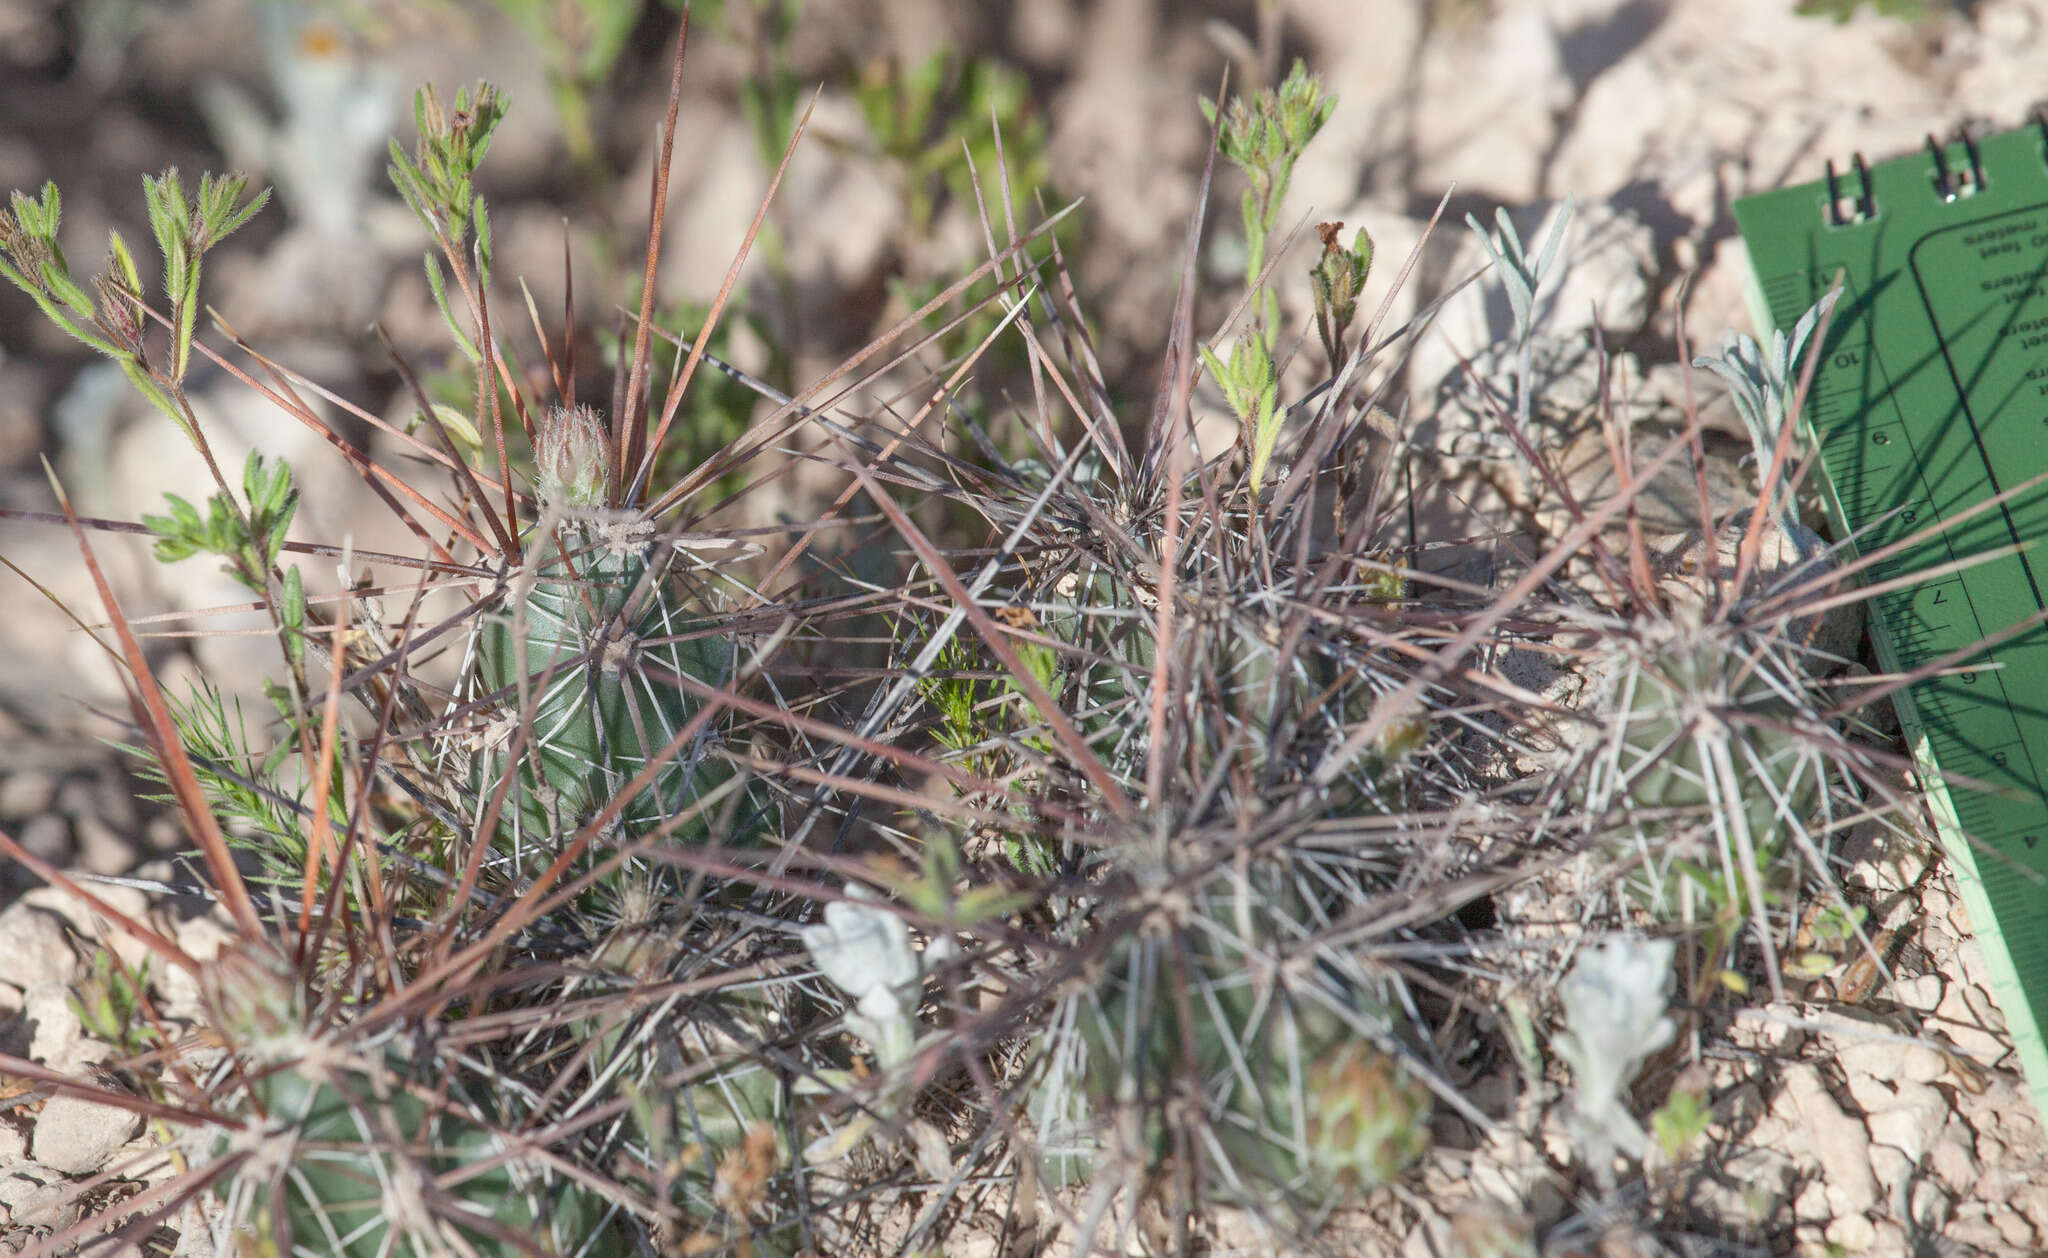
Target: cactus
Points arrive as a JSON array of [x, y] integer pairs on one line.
[[1711, 766], [1213, 767], [342, 1153], [1704, 724], [1300, 1105], [595, 637]]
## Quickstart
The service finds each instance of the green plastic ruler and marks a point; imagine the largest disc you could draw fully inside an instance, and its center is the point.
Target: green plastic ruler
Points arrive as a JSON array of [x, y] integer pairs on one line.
[[1930, 396]]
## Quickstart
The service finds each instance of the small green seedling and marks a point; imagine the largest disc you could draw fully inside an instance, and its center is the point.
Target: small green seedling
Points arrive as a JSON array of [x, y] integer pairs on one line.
[[249, 543], [109, 1001]]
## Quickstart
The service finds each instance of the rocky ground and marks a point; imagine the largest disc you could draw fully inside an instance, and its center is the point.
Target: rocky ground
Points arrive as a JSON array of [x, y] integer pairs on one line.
[[1860, 1116]]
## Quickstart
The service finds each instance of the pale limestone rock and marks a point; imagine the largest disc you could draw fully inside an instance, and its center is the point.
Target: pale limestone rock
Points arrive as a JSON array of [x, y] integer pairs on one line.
[[1841, 1145], [1973, 1227], [48, 838], [1971, 1020], [1811, 1206], [1872, 1059], [56, 1030], [1852, 1232], [202, 938], [1429, 1238], [25, 793], [1492, 91], [1894, 1171], [1890, 1241], [1938, 942], [1930, 1206], [33, 1196], [1954, 1158], [1921, 993], [1921, 1064], [1970, 954], [1868, 1092], [78, 1136], [1912, 1121], [1754, 1188], [2014, 1228], [34, 948], [85, 919], [1768, 1030]]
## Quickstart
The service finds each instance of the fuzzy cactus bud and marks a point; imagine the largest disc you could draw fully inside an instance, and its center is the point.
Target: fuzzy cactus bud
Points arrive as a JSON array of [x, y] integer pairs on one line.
[[574, 457], [1366, 1120]]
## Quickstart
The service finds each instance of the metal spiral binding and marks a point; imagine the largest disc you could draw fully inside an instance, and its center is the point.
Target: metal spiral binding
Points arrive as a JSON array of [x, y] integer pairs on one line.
[[1976, 159], [1866, 204], [1944, 183], [1950, 184]]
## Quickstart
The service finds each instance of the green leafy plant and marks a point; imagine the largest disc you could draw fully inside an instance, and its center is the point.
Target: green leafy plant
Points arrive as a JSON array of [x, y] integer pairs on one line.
[[1680, 1122], [954, 131], [937, 123], [1763, 385], [1337, 281], [238, 776], [108, 1002], [185, 229], [934, 890], [438, 182], [249, 541], [580, 41], [1842, 10], [1522, 278], [1250, 389], [1264, 136]]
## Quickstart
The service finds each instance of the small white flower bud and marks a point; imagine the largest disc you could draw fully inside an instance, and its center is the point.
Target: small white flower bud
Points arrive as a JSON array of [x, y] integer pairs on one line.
[[574, 457]]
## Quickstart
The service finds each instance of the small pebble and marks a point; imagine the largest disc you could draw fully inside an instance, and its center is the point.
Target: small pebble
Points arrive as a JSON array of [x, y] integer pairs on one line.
[[78, 1136], [1841, 1143], [102, 849], [47, 837], [1894, 1171], [34, 948], [34, 1196], [1921, 993], [1922, 1064], [47, 1007], [2014, 1228], [1930, 1206], [1953, 1158], [25, 794], [1852, 1232], [1914, 1119], [1812, 1206], [1871, 1059]]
